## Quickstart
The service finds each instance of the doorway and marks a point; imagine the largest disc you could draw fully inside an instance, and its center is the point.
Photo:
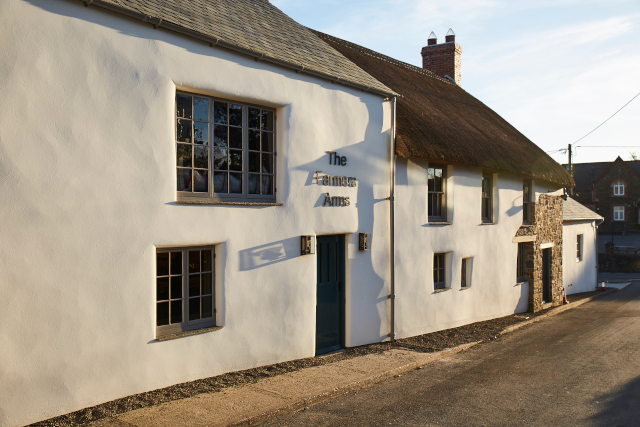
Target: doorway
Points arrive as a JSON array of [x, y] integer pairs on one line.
[[546, 275], [330, 290]]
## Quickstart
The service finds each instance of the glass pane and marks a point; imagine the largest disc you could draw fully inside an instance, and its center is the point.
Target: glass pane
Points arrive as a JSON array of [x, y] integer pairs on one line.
[[437, 181], [220, 159], [206, 260], [201, 109], [267, 120], [184, 179], [254, 184], [235, 183], [267, 184], [176, 263], [176, 287], [254, 140], [194, 261], [183, 106], [162, 313], [201, 157], [254, 162], [235, 115], [200, 181], [430, 177], [267, 163], [254, 118], [184, 155], [162, 288], [267, 142], [235, 160], [220, 136], [176, 311], [201, 133], [207, 307], [235, 138], [220, 182], [183, 129], [162, 264], [206, 284], [194, 285], [220, 112], [194, 309]]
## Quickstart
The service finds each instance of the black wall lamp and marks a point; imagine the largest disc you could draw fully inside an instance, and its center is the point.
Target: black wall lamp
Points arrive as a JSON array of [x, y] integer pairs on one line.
[[307, 245], [365, 241]]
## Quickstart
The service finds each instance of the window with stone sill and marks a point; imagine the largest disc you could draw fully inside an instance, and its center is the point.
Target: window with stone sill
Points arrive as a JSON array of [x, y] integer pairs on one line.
[[618, 188], [618, 213], [225, 150]]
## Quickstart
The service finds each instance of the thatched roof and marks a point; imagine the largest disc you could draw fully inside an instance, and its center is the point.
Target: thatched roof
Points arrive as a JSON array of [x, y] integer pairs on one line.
[[439, 121]]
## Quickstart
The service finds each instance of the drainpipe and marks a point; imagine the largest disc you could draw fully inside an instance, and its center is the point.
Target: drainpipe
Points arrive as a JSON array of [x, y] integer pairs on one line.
[[392, 249]]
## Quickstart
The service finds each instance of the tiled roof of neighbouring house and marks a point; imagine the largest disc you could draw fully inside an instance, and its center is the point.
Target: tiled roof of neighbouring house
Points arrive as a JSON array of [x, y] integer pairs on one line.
[[574, 211], [253, 27], [439, 121], [586, 174]]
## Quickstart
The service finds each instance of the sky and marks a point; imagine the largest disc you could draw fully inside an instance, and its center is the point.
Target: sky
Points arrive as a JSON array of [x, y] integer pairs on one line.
[[554, 69]]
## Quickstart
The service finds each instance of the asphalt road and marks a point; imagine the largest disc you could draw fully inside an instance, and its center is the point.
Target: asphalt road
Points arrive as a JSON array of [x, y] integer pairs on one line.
[[581, 367]]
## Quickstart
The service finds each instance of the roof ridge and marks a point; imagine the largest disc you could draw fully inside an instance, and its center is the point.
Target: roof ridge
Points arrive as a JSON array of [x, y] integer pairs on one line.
[[383, 57]]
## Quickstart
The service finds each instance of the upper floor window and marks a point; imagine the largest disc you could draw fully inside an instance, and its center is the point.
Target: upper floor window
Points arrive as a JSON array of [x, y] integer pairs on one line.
[[487, 197], [527, 202], [579, 240], [618, 213], [225, 151], [436, 176], [618, 188]]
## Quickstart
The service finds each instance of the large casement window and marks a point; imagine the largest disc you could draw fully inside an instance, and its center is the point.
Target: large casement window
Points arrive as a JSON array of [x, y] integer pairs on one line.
[[527, 202], [579, 240], [184, 289], [439, 271], [225, 150], [618, 187], [487, 197], [436, 187], [521, 273], [618, 213]]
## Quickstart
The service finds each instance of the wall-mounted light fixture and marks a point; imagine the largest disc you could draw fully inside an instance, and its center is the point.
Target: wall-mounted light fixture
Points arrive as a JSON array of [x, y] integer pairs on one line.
[[365, 241], [307, 245]]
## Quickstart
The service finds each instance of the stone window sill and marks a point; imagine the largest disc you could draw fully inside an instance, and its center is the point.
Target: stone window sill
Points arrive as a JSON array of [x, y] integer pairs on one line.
[[214, 202], [488, 223], [188, 333], [526, 282], [464, 288], [437, 291]]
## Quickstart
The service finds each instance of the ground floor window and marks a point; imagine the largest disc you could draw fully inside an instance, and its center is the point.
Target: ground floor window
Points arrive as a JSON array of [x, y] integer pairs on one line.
[[618, 213], [579, 240], [465, 281], [184, 289], [438, 271]]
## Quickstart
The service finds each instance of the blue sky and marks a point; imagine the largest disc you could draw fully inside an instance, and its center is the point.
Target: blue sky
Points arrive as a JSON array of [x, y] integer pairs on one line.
[[554, 69]]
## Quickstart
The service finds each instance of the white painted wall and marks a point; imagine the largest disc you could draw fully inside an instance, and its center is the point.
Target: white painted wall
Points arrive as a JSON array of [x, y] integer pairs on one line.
[[579, 276], [87, 191], [493, 291]]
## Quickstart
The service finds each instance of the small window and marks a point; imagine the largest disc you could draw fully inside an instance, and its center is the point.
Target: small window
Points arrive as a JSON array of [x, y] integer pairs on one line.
[[436, 188], [487, 197], [618, 213], [521, 273], [579, 248], [184, 289], [527, 205], [438, 271], [464, 273], [618, 188]]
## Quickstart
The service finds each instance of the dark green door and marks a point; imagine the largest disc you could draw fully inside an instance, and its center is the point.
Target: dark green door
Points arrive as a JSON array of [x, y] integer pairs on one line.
[[330, 294]]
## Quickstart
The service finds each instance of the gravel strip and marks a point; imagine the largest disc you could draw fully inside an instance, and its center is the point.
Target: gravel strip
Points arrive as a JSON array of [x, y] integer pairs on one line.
[[486, 331]]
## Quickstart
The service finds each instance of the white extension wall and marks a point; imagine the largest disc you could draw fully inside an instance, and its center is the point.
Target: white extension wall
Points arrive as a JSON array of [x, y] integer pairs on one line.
[[493, 291], [88, 190], [579, 276]]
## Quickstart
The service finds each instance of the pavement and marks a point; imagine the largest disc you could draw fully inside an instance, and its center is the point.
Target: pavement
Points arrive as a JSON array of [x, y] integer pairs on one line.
[[287, 393]]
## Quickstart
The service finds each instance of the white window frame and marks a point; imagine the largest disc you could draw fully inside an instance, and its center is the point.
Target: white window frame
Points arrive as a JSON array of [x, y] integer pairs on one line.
[[618, 187], [579, 247], [618, 213], [184, 300], [211, 195], [439, 196]]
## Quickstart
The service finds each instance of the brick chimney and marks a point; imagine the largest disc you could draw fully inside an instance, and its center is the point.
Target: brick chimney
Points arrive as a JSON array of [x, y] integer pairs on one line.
[[443, 59]]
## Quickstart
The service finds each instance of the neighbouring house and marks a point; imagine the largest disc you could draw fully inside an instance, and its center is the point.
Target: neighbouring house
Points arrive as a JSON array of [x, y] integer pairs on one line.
[[580, 247], [611, 189], [187, 192]]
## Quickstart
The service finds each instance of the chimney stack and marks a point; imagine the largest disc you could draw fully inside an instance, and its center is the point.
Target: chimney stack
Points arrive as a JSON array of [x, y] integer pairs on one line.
[[443, 59]]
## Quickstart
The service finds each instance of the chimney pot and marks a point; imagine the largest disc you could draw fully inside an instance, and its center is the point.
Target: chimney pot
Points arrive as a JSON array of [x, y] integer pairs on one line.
[[450, 36], [433, 39]]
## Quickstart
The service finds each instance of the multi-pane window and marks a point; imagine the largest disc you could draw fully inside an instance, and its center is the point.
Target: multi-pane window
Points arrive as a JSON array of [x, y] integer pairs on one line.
[[184, 289], [521, 270], [464, 282], [225, 150], [579, 240], [438, 271], [618, 188], [527, 206], [487, 197], [436, 193], [618, 213]]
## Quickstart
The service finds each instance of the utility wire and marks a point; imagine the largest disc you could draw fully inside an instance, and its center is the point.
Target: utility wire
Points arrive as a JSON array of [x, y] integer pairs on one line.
[[607, 119]]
